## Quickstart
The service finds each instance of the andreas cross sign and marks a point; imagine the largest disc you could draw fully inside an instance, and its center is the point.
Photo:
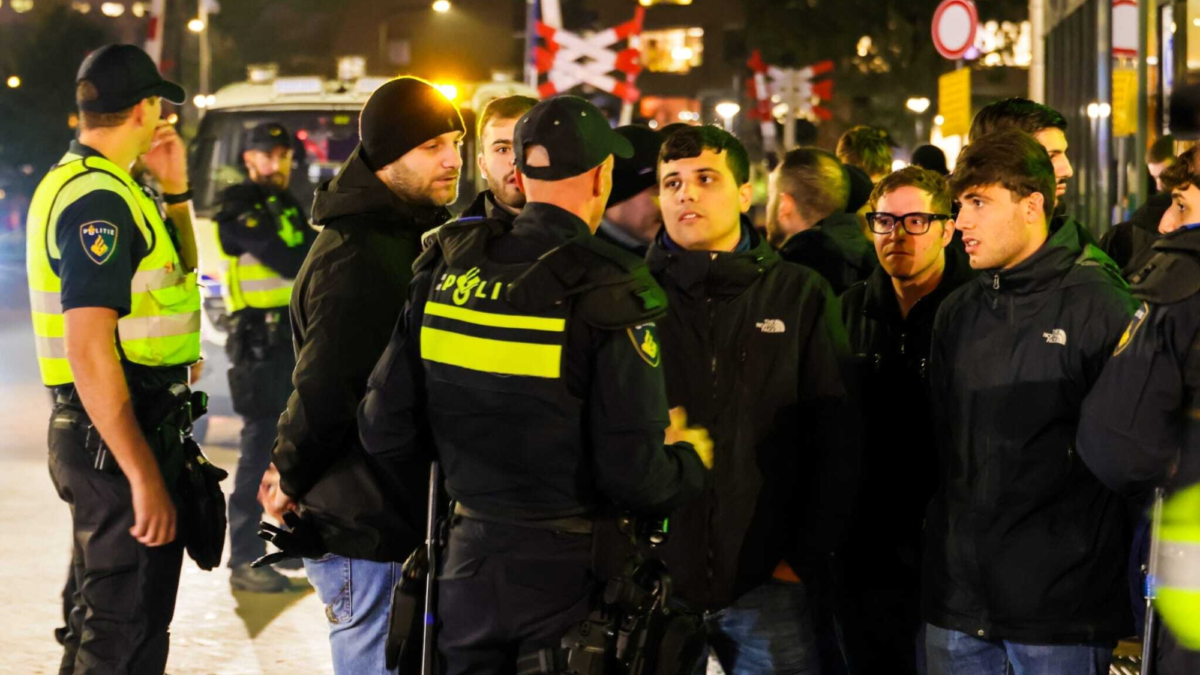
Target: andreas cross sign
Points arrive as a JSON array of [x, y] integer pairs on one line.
[[562, 60]]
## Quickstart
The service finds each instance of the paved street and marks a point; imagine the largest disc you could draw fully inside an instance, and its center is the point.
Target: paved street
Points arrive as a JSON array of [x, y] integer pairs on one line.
[[215, 631]]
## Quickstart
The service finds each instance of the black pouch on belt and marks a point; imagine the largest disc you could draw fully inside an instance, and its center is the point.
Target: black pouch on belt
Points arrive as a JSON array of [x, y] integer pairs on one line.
[[407, 614]]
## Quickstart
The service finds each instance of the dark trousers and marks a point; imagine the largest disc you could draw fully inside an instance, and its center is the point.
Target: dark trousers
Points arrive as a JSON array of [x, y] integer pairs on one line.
[[506, 591], [124, 592], [258, 437], [260, 381]]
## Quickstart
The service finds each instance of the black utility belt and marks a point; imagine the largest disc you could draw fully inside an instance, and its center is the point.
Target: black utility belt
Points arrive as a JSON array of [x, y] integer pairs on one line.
[[569, 525]]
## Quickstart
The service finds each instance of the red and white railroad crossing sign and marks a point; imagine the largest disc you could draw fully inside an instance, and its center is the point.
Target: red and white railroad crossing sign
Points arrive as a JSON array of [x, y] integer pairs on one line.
[[791, 86], [569, 59]]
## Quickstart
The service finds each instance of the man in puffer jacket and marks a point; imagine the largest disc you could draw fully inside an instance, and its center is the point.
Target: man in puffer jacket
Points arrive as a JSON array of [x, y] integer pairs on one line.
[[1025, 548]]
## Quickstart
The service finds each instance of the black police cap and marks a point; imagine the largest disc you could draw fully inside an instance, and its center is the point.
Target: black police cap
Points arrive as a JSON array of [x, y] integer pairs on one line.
[[268, 136], [575, 135], [123, 75]]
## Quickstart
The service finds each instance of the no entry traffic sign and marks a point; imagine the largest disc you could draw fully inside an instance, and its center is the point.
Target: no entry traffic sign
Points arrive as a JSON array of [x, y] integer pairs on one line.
[[954, 26]]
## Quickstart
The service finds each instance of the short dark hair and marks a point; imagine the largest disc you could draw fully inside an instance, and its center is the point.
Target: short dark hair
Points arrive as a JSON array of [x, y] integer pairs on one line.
[[816, 181], [930, 182], [1016, 113], [868, 148], [1011, 159], [85, 92], [1161, 150], [692, 141], [504, 108], [1182, 173]]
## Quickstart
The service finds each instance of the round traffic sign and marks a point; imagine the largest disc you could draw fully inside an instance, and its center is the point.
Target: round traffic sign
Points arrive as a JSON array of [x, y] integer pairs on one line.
[[954, 26]]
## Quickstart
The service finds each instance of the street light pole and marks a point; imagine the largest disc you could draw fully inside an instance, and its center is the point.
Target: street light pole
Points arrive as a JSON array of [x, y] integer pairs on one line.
[[205, 55]]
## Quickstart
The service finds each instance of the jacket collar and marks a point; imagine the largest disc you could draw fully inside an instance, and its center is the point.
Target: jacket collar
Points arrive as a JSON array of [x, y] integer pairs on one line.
[[701, 273], [1046, 268], [357, 191], [484, 206], [880, 302], [548, 222]]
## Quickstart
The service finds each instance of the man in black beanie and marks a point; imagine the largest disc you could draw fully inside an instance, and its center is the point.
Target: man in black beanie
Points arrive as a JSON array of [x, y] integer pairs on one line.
[[632, 218], [346, 299]]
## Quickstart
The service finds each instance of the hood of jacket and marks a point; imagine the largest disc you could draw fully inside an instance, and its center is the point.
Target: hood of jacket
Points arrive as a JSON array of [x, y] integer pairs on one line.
[[357, 191], [713, 273], [1069, 247]]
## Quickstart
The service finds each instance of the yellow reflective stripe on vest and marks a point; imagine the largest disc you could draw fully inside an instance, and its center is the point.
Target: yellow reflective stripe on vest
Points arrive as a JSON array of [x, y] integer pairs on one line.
[[250, 283], [494, 320], [491, 356], [143, 327], [45, 302]]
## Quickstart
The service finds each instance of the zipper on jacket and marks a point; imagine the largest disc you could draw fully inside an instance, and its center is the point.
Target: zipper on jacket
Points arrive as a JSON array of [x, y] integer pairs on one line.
[[995, 282]]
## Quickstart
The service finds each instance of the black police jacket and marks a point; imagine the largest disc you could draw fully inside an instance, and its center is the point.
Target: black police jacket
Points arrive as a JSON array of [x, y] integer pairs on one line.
[[1141, 422], [754, 350], [1022, 541], [345, 303], [248, 223], [836, 249], [528, 360], [1130, 244], [899, 471]]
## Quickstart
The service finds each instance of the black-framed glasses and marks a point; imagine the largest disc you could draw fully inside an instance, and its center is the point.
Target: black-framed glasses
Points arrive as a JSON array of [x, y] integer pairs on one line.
[[913, 223]]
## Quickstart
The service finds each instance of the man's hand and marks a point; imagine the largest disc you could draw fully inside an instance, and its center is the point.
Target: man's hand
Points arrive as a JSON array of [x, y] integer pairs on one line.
[[274, 502], [153, 512], [697, 436], [167, 159]]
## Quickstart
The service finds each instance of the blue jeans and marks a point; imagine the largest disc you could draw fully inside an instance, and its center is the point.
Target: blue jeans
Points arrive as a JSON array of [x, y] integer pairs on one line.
[[356, 595], [953, 653], [768, 630]]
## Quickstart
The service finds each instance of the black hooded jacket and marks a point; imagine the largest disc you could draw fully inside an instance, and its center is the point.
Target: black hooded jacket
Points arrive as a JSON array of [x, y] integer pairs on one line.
[[753, 348], [836, 249], [1023, 542], [484, 206], [345, 302], [899, 451]]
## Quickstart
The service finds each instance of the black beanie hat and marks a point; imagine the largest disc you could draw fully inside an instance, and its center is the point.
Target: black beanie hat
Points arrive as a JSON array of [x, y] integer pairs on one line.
[[401, 115], [631, 176], [860, 188]]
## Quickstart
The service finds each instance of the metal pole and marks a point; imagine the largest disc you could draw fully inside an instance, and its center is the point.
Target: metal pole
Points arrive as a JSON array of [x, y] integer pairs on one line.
[[154, 40], [1100, 218], [1142, 184], [1149, 635], [429, 646], [1037, 68], [792, 98], [531, 17], [205, 56]]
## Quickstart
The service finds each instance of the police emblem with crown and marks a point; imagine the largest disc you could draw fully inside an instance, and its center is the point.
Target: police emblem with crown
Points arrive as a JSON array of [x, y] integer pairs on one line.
[[645, 342], [99, 239]]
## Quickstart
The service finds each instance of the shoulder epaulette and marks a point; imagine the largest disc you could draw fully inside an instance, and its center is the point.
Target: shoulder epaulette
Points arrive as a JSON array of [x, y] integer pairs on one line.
[[1173, 274]]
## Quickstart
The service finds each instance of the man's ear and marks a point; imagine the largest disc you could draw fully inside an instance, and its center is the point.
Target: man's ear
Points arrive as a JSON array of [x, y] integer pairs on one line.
[[520, 177], [139, 113], [1035, 205], [745, 197], [786, 208], [482, 166], [947, 232]]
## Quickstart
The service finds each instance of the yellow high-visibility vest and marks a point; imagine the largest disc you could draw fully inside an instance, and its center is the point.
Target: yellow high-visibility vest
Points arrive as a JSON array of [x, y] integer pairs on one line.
[[163, 324]]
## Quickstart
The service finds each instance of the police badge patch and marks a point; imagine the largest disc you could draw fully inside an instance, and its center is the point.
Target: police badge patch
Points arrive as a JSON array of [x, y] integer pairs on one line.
[[645, 343], [99, 239]]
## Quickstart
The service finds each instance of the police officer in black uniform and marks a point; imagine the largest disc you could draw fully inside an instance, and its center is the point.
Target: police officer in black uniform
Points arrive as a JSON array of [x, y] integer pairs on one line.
[[1140, 427], [264, 235], [528, 358]]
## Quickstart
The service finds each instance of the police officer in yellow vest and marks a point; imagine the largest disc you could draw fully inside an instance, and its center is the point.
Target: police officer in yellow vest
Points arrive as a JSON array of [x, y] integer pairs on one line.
[[116, 315], [264, 236], [528, 360]]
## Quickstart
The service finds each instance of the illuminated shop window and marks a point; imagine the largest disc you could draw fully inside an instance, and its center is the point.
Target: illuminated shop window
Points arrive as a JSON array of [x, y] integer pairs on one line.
[[673, 50]]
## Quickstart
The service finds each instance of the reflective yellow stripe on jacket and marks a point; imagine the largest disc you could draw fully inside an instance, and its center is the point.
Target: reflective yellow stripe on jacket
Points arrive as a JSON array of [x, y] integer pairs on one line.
[[163, 325], [466, 338]]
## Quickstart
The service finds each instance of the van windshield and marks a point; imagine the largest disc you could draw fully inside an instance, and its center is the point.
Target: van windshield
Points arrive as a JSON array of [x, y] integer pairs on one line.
[[321, 139]]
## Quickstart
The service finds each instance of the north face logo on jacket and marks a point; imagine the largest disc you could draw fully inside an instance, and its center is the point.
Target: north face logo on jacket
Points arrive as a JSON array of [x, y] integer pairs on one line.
[[1057, 336]]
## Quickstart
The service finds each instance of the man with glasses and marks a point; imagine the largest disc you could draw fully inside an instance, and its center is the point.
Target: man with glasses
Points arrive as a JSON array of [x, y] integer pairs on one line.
[[807, 220], [889, 318], [1026, 550]]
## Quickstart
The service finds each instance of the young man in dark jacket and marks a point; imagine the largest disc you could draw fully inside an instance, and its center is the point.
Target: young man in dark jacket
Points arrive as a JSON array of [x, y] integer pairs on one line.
[[1025, 549], [889, 318], [494, 133], [753, 349], [808, 223], [345, 303]]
